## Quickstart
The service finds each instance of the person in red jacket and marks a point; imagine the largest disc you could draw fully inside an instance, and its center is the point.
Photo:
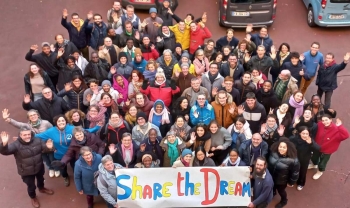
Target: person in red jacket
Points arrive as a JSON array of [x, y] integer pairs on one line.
[[160, 88], [329, 136], [198, 34]]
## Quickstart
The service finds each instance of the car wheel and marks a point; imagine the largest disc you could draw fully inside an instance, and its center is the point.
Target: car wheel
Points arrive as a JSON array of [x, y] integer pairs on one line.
[[219, 19], [311, 17]]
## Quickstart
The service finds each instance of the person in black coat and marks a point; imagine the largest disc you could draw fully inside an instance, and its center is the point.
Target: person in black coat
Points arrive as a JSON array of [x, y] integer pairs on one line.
[[66, 46], [244, 86], [47, 60], [27, 151], [271, 131], [251, 149], [67, 71], [48, 107], [228, 40], [283, 55], [77, 31], [151, 144], [326, 79], [282, 115], [165, 40], [305, 120], [163, 10], [267, 97], [228, 87], [36, 71], [181, 108], [295, 66], [284, 167], [318, 109], [97, 68], [112, 132], [232, 68], [305, 145], [124, 153]]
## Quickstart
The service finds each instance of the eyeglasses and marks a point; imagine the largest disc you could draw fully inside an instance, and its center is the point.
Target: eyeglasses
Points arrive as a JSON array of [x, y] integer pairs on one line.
[[139, 119], [87, 155]]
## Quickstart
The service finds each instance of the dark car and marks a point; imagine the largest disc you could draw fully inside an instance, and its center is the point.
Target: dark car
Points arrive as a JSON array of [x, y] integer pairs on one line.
[[239, 13]]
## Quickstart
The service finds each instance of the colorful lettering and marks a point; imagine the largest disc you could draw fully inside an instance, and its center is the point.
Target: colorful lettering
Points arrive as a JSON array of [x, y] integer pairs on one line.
[[223, 186], [156, 189], [230, 187], [238, 189], [246, 189], [165, 189], [206, 172], [127, 189], [196, 189], [179, 179], [136, 188], [147, 192], [188, 185]]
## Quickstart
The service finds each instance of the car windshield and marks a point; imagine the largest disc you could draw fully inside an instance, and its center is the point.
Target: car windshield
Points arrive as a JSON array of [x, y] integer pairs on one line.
[[250, 1], [340, 1]]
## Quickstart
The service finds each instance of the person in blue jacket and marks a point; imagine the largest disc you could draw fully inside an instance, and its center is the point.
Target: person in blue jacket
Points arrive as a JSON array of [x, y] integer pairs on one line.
[[202, 111], [61, 136], [84, 170]]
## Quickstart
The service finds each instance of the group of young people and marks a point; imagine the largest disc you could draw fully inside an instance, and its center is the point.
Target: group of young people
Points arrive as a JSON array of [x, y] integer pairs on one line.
[[156, 94]]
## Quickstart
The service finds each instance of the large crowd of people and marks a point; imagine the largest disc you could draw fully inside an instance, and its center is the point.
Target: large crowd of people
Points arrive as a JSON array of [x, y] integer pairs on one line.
[[126, 93]]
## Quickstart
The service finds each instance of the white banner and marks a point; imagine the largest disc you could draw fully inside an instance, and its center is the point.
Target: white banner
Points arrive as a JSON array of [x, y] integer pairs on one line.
[[183, 187]]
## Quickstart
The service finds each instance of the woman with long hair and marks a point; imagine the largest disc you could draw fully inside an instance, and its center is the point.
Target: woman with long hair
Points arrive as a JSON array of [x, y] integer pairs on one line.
[[201, 159], [75, 117], [151, 70], [305, 145], [284, 167], [220, 142], [181, 128], [199, 136], [121, 84], [283, 55], [233, 159], [305, 120], [258, 78], [201, 63], [318, 109], [75, 92], [130, 115], [135, 83], [108, 102], [35, 80], [296, 105], [182, 108], [95, 115]]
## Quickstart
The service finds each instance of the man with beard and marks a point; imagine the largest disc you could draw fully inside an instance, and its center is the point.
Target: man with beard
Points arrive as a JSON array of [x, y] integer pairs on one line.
[[46, 60], [212, 79], [77, 31], [232, 68], [114, 17], [113, 36], [263, 185], [97, 68], [150, 25], [129, 32], [98, 32]]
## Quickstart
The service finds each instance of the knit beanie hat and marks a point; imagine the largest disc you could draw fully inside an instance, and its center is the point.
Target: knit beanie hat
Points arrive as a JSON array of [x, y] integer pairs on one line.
[[185, 54], [171, 133], [158, 102], [106, 82], [123, 54], [152, 10], [138, 51], [142, 115], [160, 72], [178, 45], [186, 152]]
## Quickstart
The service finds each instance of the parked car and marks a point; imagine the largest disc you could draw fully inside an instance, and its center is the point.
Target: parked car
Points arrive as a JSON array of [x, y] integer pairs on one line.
[[141, 4], [328, 13], [239, 13]]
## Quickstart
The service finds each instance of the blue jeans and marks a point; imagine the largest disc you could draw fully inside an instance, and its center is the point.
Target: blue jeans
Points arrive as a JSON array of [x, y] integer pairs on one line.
[[48, 158]]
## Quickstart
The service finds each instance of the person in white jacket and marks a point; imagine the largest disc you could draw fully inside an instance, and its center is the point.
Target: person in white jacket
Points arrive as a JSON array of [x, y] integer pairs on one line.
[[80, 61], [106, 87]]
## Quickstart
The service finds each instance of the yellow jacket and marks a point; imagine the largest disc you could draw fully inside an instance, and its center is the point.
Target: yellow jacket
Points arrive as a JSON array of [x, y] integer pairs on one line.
[[182, 37]]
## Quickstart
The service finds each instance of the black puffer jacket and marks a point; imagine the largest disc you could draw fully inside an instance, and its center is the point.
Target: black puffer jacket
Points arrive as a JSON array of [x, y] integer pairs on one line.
[[283, 169], [27, 155], [75, 98], [267, 99], [100, 74], [245, 148], [168, 42], [66, 74], [168, 69], [48, 108], [244, 89]]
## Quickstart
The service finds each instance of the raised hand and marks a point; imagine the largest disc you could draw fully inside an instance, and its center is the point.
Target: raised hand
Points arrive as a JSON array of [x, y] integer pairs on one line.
[[177, 74], [26, 98], [49, 144], [115, 17], [88, 97], [112, 149], [90, 15], [68, 87], [153, 47], [301, 73], [142, 147], [113, 70], [214, 91], [271, 111], [100, 123], [231, 109], [65, 13], [127, 102], [137, 35], [195, 114], [273, 52], [331, 110], [182, 134], [263, 128], [297, 120], [212, 149], [346, 58], [159, 39], [52, 47], [240, 109], [4, 138], [281, 129], [249, 28], [81, 192], [202, 24], [34, 47], [144, 24], [105, 50], [170, 12], [308, 140], [5, 114], [220, 147], [338, 122], [248, 37], [301, 57], [187, 117], [193, 136], [204, 17], [60, 52]]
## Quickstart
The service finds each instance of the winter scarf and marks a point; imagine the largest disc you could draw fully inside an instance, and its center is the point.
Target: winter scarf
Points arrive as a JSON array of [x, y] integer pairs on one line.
[[131, 148], [99, 117], [36, 124], [229, 163], [160, 84], [116, 125], [137, 86], [256, 80], [149, 75], [82, 142], [62, 45], [79, 123], [280, 116], [283, 56], [212, 77], [299, 107], [78, 26], [173, 152], [268, 131], [130, 119], [164, 114]]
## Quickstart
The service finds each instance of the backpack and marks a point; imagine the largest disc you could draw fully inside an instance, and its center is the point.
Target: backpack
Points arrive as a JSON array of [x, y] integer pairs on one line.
[[96, 174]]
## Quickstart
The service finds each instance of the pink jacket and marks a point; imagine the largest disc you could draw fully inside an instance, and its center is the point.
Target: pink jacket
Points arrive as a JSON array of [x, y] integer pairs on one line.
[[123, 91], [199, 68]]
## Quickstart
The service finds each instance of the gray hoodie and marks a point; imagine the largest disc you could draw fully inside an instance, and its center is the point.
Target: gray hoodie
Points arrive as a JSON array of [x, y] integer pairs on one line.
[[109, 193]]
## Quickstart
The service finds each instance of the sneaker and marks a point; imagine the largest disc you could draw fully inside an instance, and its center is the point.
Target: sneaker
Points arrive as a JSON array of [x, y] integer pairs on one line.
[[312, 166], [317, 175], [66, 181], [57, 173], [51, 173], [299, 188]]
